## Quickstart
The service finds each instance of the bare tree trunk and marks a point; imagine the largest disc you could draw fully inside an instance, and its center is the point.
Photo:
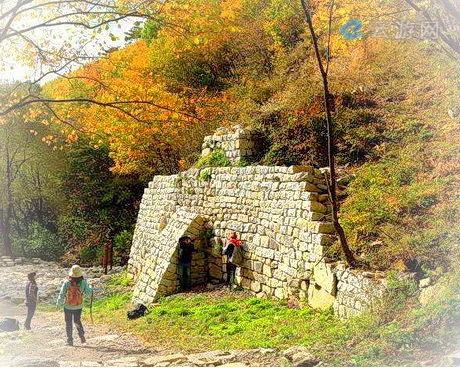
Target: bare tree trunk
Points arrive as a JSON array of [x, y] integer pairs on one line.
[[8, 214], [6, 246], [330, 136]]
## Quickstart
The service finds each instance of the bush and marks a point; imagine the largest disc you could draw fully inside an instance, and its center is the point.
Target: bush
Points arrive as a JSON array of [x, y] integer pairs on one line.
[[121, 247], [215, 159], [88, 255], [205, 175], [40, 243], [300, 137], [391, 213], [119, 280]]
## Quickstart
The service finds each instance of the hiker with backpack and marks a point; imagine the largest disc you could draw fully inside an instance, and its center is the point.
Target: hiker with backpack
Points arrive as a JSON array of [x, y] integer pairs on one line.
[[31, 298], [71, 297], [233, 250]]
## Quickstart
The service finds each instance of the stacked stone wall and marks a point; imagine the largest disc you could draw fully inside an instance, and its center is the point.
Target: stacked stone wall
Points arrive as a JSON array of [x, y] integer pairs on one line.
[[235, 143], [357, 292], [279, 213]]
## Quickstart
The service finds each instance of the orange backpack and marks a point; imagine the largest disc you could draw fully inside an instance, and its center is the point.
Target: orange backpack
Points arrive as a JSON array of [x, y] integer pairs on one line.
[[74, 295]]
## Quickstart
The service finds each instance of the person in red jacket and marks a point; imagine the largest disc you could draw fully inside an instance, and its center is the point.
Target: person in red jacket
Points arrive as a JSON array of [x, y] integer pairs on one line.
[[31, 298], [232, 249]]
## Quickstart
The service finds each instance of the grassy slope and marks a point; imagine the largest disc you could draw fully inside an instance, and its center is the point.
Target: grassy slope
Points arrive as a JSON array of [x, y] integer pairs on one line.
[[400, 332]]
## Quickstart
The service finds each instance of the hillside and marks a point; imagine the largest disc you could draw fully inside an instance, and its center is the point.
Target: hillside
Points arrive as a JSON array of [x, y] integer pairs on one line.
[[252, 63], [74, 168]]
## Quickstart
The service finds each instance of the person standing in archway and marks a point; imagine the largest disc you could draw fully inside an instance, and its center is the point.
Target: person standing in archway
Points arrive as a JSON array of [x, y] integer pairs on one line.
[[186, 249], [232, 249]]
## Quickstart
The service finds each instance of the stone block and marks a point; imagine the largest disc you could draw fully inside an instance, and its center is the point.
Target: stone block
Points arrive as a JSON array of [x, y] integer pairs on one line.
[[279, 293], [314, 206], [300, 169], [255, 286], [318, 298], [324, 276], [267, 270]]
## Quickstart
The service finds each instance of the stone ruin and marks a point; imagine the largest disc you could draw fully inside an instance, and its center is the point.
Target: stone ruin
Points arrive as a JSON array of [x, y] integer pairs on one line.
[[281, 214], [236, 143]]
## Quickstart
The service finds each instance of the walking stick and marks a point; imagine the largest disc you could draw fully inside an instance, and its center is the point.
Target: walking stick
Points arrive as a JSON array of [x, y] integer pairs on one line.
[[91, 307]]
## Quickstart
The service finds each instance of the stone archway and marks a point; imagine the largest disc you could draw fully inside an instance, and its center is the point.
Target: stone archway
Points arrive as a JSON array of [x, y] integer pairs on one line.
[[280, 213], [159, 273]]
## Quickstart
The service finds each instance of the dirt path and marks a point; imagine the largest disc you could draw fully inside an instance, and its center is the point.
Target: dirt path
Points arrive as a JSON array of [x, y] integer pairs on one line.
[[45, 346]]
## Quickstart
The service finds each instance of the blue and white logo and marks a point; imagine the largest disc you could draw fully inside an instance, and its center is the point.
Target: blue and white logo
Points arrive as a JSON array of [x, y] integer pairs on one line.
[[350, 30]]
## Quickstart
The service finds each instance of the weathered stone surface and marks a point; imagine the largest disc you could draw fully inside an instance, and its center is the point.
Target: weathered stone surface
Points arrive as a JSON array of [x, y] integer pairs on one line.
[[300, 356], [431, 293], [123, 362], [162, 360], [234, 142], [36, 363], [319, 298], [324, 276], [424, 282]]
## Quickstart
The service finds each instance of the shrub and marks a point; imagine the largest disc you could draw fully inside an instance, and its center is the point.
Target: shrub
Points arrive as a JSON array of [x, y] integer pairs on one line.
[[205, 175], [300, 137], [120, 279], [121, 247], [41, 243], [390, 213], [215, 159], [88, 255]]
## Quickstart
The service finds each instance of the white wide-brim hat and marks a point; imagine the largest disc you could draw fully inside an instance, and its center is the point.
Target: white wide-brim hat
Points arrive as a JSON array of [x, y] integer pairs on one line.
[[75, 271]]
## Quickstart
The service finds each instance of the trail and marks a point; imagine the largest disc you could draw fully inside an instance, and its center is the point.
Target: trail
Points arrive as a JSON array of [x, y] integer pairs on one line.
[[105, 346], [45, 344]]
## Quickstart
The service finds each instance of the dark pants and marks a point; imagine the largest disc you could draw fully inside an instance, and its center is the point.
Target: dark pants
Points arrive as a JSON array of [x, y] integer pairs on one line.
[[30, 313], [185, 279], [231, 268], [75, 316]]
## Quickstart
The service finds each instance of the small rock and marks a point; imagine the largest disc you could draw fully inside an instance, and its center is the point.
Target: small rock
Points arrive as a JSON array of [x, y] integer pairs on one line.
[[299, 356], [123, 362], [162, 359], [90, 364], [266, 351], [423, 283], [35, 363], [454, 112]]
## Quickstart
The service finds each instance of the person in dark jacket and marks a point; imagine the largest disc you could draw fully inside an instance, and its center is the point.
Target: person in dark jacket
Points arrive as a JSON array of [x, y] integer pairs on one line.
[[31, 298], [186, 249]]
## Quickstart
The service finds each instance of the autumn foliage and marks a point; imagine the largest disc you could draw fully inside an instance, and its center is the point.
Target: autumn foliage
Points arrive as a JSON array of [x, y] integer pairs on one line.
[[199, 64]]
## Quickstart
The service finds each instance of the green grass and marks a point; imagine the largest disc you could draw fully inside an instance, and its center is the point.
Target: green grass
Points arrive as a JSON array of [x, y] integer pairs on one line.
[[204, 322], [119, 280]]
